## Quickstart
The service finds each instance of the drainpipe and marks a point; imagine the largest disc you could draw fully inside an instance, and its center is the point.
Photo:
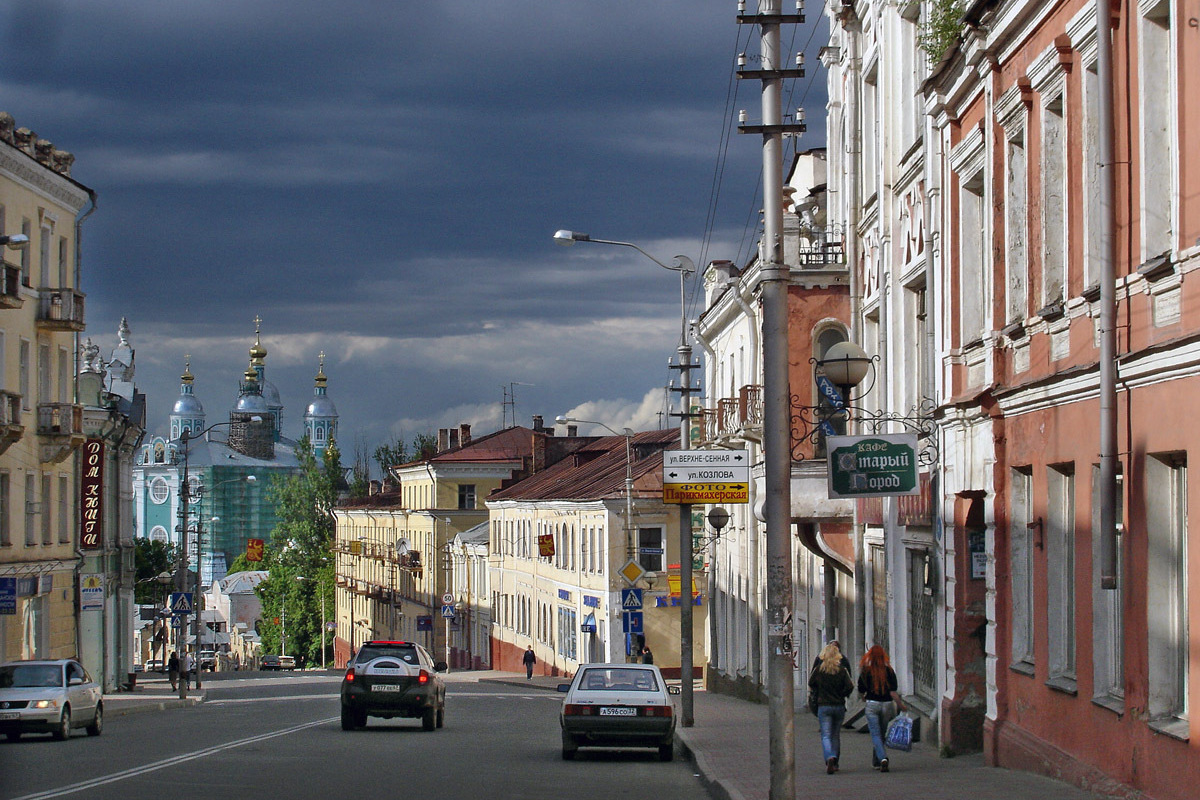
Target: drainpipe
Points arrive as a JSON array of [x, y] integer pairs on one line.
[[1108, 304]]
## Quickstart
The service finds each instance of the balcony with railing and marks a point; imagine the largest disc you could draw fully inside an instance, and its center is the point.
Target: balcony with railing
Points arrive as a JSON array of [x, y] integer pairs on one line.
[[59, 430], [60, 310], [12, 427], [10, 287], [820, 248], [735, 418]]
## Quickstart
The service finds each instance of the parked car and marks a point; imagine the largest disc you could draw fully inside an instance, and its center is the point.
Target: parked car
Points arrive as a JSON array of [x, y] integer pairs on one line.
[[618, 705], [50, 696], [155, 665], [208, 660], [276, 663], [393, 679]]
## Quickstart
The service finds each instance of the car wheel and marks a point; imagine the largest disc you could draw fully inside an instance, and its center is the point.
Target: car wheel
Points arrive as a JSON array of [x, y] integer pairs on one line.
[[441, 715], [348, 719], [13, 735], [98, 723], [429, 719], [64, 725], [666, 752], [569, 748], [360, 719]]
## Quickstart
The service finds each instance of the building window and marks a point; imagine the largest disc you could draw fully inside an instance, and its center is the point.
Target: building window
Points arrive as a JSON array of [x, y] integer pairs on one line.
[[27, 231], [1108, 634], [5, 505], [159, 490], [64, 513], [23, 376], [650, 549], [1016, 225], [568, 636], [1158, 110], [1167, 589], [31, 508], [1060, 575], [159, 534], [64, 262], [1054, 202], [1021, 544], [45, 509], [466, 496], [44, 257], [972, 259], [45, 394]]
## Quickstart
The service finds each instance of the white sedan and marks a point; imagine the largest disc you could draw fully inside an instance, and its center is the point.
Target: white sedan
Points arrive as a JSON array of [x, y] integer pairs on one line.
[[618, 705], [49, 697]]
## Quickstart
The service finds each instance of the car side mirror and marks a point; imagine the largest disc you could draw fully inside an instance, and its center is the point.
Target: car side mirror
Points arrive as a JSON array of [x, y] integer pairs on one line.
[[674, 690], [75, 682], [440, 666], [564, 687]]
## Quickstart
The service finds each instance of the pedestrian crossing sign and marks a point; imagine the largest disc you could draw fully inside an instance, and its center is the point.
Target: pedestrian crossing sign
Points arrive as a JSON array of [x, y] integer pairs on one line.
[[631, 599], [181, 603]]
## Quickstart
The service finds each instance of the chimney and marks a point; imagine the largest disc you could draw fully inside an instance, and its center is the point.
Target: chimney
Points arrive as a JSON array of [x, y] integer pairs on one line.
[[538, 425], [464, 434], [572, 430], [443, 443]]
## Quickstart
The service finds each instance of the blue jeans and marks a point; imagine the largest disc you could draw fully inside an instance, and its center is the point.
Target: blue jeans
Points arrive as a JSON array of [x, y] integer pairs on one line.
[[879, 714], [831, 718]]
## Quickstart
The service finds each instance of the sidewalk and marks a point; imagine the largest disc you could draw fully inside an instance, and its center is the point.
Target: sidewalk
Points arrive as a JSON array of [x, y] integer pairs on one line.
[[730, 739], [152, 692]]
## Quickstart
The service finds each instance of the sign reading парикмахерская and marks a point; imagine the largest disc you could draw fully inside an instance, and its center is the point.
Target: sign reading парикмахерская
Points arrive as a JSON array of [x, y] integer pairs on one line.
[[872, 466]]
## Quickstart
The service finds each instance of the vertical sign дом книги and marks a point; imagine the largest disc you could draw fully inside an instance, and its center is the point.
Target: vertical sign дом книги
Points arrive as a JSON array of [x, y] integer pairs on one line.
[[91, 495]]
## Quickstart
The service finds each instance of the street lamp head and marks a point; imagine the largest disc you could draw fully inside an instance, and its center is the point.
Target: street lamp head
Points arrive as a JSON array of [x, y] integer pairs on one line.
[[846, 364], [251, 479], [568, 238], [18, 241]]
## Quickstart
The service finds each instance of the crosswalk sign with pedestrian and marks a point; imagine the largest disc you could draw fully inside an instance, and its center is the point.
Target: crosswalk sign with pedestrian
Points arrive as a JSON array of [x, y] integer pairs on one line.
[[631, 599], [181, 603]]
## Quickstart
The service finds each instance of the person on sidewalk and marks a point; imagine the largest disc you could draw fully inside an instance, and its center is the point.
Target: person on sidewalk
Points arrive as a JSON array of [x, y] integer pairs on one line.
[[189, 666], [832, 684], [173, 671], [877, 683], [529, 659], [647, 656]]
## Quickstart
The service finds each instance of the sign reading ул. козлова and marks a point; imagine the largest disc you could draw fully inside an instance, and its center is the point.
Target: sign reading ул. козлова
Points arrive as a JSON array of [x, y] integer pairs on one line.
[[872, 466]]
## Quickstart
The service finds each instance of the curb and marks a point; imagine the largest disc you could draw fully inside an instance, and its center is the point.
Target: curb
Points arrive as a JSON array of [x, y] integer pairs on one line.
[[718, 788], [116, 706]]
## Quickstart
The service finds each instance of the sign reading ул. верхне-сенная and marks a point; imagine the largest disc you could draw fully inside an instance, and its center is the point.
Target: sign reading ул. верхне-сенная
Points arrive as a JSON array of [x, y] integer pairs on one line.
[[872, 466]]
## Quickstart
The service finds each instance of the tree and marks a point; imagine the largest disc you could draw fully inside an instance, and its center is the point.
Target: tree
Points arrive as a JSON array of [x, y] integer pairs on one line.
[[301, 548], [151, 558], [388, 455], [424, 446], [360, 473]]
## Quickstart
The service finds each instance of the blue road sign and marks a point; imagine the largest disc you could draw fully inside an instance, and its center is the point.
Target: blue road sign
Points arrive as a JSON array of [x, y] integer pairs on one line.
[[181, 603], [631, 622], [631, 599], [424, 623], [830, 392], [448, 612]]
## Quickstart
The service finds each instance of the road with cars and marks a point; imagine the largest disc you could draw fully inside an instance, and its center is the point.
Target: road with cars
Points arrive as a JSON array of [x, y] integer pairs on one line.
[[271, 736]]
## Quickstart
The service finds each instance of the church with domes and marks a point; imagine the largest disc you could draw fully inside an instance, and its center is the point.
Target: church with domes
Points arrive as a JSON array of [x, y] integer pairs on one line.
[[230, 464]]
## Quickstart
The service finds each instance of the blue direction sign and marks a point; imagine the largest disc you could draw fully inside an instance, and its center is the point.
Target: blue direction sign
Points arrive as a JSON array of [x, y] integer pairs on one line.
[[631, 622], [631, 600], [830, 392], [181, 603], [8, 595]]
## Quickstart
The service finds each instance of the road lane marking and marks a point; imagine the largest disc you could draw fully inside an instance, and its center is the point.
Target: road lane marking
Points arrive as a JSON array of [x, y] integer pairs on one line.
[[168, 762], [229, 700]]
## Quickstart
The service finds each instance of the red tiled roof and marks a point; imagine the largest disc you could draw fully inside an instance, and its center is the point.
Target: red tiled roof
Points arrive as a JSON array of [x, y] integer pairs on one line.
[[597, 471], [510, 444]]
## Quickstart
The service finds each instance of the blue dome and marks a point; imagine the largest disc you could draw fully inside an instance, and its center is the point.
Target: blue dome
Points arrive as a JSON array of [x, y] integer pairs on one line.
[[321, 407], [253, 403], [188, 405], [271, 394]]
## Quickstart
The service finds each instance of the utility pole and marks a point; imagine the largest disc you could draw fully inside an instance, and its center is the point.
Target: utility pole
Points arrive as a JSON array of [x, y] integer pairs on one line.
[[684, 365], [777, 450]]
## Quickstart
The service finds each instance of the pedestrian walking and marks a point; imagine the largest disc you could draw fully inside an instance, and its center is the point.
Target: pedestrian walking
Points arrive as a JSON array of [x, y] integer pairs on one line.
[[877, 684], [647, 656], [831, 684], [189, 666], [529, 659], [173, 671]]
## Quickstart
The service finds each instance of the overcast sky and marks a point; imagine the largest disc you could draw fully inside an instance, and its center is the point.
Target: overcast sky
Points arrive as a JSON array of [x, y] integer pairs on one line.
[[381, 181]]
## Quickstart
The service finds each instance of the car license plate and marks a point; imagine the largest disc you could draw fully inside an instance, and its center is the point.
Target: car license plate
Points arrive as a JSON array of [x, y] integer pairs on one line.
[[615, 711], [9, 715], [386, 687]]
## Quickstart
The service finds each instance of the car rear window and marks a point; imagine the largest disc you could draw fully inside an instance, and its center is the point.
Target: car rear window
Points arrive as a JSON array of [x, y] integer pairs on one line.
[[405, 652], [618, 679]]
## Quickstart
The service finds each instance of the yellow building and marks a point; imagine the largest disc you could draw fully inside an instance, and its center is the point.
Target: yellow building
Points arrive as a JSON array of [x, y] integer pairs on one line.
[[393, 549], [560, 541], [41, 418]]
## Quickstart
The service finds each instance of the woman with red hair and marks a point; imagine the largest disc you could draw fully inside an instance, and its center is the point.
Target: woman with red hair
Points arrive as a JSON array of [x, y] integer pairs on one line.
[[877, 683]]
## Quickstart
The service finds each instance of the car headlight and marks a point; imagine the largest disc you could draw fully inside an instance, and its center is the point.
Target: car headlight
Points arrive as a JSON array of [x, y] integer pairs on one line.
[[44, 704]]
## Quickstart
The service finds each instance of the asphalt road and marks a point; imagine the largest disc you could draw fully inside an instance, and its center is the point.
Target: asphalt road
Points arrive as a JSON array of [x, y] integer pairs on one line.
[[273, 736]]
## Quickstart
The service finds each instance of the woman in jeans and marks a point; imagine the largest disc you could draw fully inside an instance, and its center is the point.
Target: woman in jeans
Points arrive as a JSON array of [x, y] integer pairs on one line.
[[877, 683], [831, 683]]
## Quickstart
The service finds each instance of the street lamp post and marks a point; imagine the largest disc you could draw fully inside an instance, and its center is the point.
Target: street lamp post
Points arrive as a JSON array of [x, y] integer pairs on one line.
[[684, 266], [185, 498], [322, 593]]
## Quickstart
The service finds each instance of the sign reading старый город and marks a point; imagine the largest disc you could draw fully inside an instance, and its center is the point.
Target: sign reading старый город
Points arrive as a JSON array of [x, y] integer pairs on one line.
[[872, 466]]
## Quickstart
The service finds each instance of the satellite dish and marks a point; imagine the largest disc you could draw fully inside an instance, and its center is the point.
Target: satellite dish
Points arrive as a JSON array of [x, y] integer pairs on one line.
[[402, 546]]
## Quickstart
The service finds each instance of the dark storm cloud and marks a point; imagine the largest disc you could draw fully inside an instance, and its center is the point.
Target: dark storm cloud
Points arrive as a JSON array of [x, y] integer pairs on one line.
[[380, 180]]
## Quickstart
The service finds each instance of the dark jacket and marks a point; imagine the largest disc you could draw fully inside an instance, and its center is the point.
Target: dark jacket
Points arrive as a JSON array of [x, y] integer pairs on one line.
[[866, 692], [831, 689], [529, 657]]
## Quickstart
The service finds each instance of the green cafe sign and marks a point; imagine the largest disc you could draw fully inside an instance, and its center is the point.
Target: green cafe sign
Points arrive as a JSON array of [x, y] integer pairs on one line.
[[872, 466]]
